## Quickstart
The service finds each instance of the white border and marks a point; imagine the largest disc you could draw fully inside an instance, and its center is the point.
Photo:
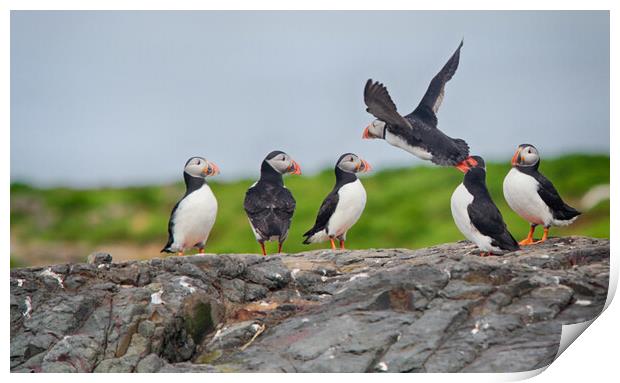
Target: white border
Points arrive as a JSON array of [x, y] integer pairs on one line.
[[592, 356]]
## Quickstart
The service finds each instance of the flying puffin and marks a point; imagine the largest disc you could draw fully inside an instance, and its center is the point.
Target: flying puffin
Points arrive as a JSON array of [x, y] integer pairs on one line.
[[268, 204], [533, 196], [476, 215], [343, 205], [417, 132], [193, 216]]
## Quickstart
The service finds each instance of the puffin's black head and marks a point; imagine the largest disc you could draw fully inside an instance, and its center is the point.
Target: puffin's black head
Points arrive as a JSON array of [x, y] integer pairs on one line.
[[375, 129], [282, 162], [471, 162], [351, 163], [200, 168], [526, 155]]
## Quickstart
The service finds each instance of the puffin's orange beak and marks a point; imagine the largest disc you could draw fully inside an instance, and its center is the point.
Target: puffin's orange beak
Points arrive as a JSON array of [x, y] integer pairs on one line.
[[516, 158], [211, 169], [364, 166], [466, 164], [294, 168], [463, 166], [366, 135]]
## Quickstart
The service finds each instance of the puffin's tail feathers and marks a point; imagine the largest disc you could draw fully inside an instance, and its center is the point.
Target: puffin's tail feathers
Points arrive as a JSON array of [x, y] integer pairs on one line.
[[313, 236]]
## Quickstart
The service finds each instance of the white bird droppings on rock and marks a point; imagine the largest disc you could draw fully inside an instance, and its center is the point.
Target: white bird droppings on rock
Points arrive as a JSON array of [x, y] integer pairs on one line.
[[305, 320], [544, 256], [323, 279], [49, 273], [479, 326], [382, 366], [183, 282], [583, 302], [530, 309], [156, 298], [28, 302], [20, 282], [357, 276], [294, 273], [255, 327], [277, 276], [476, 328]]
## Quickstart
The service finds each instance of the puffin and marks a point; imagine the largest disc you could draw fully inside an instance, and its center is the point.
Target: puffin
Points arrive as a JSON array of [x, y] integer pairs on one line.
[[533, 197], [417, 132], [268, 204], [475, 213], [193, 216], [343, 206]]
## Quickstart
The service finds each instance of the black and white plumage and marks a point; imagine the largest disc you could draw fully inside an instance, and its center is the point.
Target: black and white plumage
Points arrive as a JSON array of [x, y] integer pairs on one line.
[[343, 206], [192, 218], [531, 195], [475, 213], [268, 204], [417, 132]]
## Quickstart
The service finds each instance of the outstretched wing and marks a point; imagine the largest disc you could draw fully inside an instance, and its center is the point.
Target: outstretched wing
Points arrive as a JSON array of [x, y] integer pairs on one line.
[[433, 97], [380, 104], [325, 212]]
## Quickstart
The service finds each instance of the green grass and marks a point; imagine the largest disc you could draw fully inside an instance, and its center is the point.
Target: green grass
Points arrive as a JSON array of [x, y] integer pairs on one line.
[[406, 207]]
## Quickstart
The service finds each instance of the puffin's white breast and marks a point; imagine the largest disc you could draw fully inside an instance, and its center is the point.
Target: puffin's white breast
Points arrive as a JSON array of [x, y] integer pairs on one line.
[[521, 194], [194, 217], [461, 199], [351, 203], [399, 142]]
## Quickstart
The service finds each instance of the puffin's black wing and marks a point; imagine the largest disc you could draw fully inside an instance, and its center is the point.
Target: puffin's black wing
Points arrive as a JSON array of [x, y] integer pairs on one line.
[[270, 210], [551, 198], [486, 217], [283, 210], [433, 97], [380, 104], [325, 212], [170, 228]]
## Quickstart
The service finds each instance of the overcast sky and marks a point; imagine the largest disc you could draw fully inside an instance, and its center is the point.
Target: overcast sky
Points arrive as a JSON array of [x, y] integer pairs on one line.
[[121, 98]]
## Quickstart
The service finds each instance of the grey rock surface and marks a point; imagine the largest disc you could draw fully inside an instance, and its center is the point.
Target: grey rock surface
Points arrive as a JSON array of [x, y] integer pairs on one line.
[[439, 309]]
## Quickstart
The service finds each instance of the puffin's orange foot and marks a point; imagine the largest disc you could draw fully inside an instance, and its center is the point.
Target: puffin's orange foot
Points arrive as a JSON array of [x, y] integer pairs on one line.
[[201, 250], [180, 253], [262, 247], [342, 245], [333, 243], [527, 241]]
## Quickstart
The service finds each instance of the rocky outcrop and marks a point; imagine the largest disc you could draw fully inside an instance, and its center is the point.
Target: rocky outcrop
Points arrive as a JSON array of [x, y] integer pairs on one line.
[[442, 308]]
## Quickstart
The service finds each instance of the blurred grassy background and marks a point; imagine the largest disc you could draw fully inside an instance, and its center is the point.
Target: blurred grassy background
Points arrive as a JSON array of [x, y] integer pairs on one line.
[[406, 207]]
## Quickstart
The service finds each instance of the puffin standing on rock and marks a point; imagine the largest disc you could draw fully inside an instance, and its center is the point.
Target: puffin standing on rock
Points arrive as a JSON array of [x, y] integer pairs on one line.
[[476, 215], [343, 206], [193, 216], [417, 132], [533, 196], [268, 204]]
